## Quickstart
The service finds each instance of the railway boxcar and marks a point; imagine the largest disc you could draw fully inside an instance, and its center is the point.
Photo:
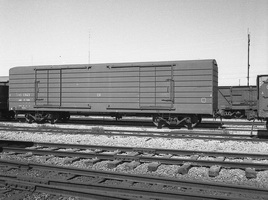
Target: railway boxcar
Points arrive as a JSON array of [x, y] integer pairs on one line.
[[262, 105], [4, 108], [3, 95], [237, 101], [172, 92]]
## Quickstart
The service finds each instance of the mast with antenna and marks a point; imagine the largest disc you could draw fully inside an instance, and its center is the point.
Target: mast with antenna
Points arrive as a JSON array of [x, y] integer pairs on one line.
[[248, 55], [89, 47]]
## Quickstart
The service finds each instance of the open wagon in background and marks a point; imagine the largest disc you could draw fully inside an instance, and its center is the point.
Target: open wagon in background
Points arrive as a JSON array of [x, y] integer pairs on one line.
[[249, 102], [237, 101], [171, 92], [262, 98]]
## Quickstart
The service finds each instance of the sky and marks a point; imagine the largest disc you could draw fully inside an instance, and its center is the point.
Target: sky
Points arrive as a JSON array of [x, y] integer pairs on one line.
[[53, 32]]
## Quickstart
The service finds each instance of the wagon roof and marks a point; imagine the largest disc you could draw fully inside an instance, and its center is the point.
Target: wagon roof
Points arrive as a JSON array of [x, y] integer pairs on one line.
[[111, 64]]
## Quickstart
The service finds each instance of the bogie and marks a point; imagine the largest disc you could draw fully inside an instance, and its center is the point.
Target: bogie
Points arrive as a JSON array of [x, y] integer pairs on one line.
[[189, 121], [43, 117]]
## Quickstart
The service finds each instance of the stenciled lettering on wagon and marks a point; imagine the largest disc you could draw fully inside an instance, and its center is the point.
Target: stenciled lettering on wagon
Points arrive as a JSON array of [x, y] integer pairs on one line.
[[23, 107], [25, 99], [23, 94], [26, 94]]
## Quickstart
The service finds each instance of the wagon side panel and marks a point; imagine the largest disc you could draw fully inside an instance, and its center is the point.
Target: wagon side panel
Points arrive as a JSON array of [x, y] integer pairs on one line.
[[224, 97], [195, 86], [101, 89], [244, 98], [21, 88]]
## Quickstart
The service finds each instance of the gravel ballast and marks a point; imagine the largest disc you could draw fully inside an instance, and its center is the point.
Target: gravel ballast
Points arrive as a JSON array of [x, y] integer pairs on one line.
[[229, 176]]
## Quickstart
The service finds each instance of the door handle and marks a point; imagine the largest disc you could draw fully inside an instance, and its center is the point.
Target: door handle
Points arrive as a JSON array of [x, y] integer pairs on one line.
[[170, 90]]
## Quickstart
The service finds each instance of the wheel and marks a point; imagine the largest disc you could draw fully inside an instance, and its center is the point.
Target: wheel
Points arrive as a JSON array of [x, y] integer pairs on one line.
[[65, 117], [11, 114], [189, 123], [155, 121], [200, 118], [193, 121], [158, 122], [39, 118], [28, 118], [161, 123], [53, 118]]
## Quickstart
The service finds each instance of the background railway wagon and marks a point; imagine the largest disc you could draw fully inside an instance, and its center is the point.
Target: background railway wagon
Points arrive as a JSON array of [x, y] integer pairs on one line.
[[3, 94], [237, 101], [171, 89], [4, 107], [262, 107]]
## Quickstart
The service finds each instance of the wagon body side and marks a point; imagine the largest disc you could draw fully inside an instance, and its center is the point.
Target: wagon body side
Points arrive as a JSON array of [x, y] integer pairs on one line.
[[175, 87]]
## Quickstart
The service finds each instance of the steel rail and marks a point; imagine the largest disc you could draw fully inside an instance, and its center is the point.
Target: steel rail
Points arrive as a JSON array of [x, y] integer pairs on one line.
[[130, 149], [248, 123], [12, 183], [154, 150], [83, 131], [106, 191], [142, 158], [173, 134], [149, 122], [142, 178], [115, 155]]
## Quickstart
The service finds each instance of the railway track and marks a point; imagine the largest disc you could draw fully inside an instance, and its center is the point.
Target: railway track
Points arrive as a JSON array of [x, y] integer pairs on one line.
[[133, 157], [17, 180], [255, 135], [148, 122]]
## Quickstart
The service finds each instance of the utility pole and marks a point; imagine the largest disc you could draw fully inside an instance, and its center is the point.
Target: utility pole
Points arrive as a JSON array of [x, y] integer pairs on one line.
[[248, 55], [89, 47]]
